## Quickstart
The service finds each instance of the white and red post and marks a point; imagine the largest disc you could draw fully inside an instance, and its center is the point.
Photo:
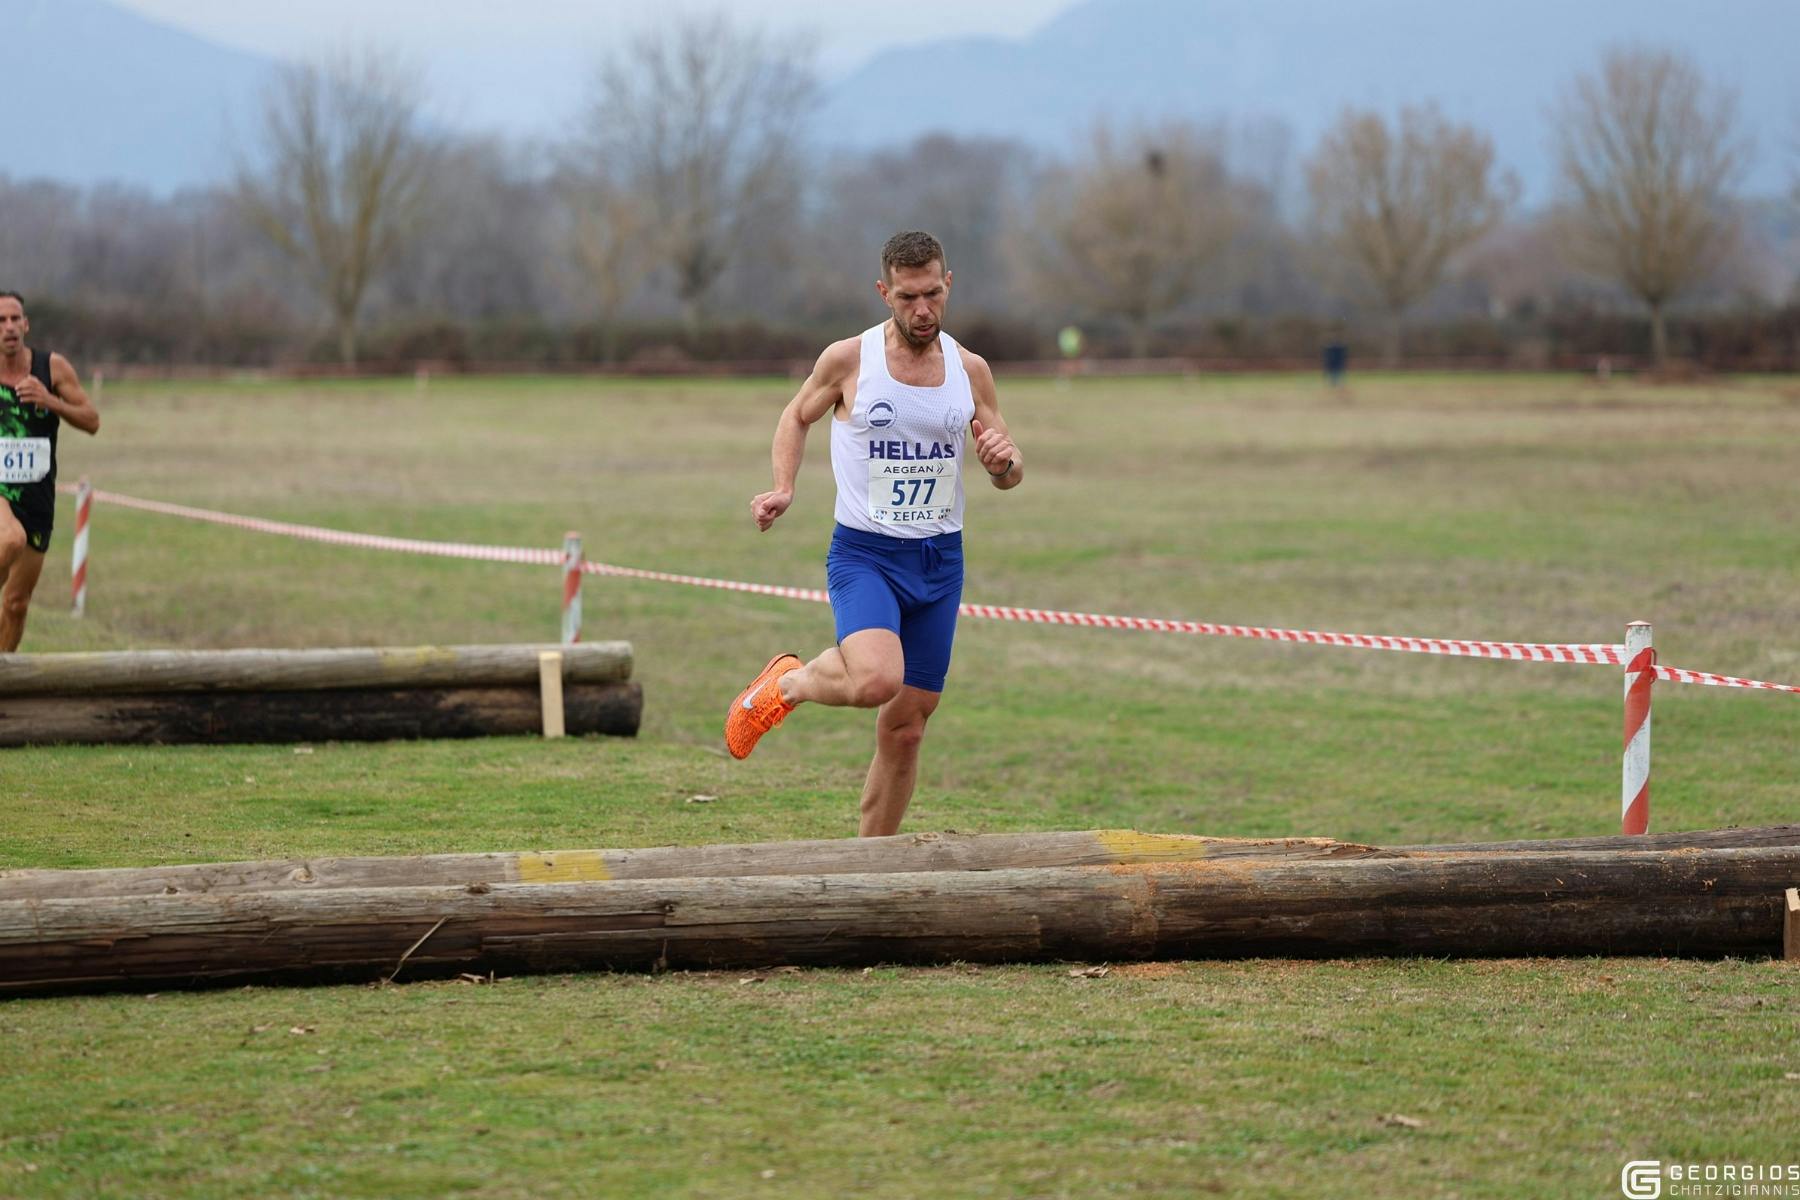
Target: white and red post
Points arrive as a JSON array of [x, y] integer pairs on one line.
[[571, 606], [84, 501], [1640, 675]]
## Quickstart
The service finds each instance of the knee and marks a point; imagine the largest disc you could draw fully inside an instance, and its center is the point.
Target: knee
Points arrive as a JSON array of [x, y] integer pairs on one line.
[[904, 736], [874, 689], [14, 604]]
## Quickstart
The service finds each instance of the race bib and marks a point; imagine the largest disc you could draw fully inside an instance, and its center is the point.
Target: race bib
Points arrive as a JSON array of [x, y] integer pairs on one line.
[[24, 460], [902, 492]]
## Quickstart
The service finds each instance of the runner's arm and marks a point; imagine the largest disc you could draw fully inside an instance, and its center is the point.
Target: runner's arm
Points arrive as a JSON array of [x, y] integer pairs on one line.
[[994, 446], [822, 392], [69, 401]]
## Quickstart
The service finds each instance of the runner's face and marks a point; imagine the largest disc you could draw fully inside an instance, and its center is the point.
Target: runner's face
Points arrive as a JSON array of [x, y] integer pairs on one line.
[[13, 326], [916, 297]]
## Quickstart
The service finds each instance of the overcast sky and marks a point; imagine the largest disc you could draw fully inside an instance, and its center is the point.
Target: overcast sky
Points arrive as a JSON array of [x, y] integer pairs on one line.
[[504, 65]]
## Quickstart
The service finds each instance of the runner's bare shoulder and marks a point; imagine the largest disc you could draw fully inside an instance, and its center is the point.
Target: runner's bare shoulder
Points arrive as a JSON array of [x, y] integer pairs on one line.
[[975, 366], [840, 362]]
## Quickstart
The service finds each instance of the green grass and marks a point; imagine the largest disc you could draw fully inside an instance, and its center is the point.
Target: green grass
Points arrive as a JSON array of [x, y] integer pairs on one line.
[[1531, 508]]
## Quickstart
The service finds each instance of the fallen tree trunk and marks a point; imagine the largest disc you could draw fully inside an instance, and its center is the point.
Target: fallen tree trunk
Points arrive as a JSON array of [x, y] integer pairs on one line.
[[837, 856], [140, 671], [343, 714], [1704, 902], [947, 851], [1697, 839]]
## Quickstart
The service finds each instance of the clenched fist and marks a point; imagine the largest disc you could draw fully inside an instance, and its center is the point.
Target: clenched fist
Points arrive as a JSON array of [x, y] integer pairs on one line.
[[766, 506], [30, 391], [994, 448]]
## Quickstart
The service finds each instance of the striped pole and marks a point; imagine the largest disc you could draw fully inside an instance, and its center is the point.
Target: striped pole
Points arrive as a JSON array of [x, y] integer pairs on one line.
[[571, 606], [1640, 674], [84, 501]]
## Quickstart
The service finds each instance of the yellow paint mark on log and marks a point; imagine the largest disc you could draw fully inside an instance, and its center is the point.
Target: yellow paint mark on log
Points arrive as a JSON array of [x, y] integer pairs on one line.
[[409, 660], [1130, 846], [564, 866]]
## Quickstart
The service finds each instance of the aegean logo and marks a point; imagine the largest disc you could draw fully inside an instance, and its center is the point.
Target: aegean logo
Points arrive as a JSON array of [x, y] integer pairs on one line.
[[881, 414], [1641, 1179]]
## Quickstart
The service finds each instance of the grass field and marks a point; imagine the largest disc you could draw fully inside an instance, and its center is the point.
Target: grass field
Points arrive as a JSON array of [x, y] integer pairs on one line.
[[1504, 508]]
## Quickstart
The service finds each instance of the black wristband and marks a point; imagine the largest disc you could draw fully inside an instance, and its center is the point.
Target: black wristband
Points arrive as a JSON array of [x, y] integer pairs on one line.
[[1010, 464]]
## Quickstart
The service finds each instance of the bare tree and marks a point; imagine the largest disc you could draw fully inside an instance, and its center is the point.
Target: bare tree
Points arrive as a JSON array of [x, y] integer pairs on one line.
[[1521, 269], [341, 177], [485, 251], [1793, 159], [1129, 229], [700, 120], [1400, 202], [1649, 155], [961, 189], [611, 233]]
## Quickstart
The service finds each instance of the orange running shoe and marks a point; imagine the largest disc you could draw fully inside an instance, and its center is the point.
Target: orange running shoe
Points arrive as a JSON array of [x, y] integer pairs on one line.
[[759, 707]]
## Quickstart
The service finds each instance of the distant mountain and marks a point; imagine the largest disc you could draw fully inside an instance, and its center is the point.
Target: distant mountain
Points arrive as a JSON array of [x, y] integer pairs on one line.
[[101, 93], [1498, 65], [107, 94]]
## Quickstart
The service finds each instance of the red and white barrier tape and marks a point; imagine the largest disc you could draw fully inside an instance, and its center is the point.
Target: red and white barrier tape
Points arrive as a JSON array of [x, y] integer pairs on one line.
[[1679, 675], [1593, 654], [336, 537]]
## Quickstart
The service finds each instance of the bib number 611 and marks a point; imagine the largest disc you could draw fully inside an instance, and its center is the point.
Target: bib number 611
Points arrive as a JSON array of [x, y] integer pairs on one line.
[[24, 460]]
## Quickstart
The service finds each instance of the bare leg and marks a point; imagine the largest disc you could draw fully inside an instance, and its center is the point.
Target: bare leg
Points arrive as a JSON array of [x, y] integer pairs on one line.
[[864, 672], [899, 728], [20, 567]]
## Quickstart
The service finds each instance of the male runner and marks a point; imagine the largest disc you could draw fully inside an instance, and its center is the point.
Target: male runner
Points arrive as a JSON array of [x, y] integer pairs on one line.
[[38, 391], [904, 399]]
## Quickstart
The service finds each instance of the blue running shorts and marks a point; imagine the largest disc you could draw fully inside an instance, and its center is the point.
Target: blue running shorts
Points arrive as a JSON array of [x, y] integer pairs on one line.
[[912, 586]]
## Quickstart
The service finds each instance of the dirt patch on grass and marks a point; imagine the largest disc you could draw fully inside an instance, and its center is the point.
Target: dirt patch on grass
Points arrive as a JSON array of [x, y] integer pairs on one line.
[[1148, 970]]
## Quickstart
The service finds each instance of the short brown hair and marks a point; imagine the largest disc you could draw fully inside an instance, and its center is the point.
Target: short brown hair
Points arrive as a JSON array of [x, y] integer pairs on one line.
[[911, 249]]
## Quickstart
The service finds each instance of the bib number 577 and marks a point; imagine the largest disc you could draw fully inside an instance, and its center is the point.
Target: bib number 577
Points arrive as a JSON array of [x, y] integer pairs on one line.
[[912, 493]]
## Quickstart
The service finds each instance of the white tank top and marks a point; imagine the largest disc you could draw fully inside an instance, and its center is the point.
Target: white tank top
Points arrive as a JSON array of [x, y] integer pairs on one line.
[[898, 459]]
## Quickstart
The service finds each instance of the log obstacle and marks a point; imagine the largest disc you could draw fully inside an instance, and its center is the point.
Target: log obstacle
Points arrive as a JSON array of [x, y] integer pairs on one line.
[[1683, 901], [835, 856], [362, 694], [948, 851], [1741, 838], [137, 671]]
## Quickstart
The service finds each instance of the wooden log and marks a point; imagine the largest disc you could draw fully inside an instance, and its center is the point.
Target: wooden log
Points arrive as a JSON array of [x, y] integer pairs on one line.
[[836, 856], [1708, 902], [140, 671], [346, 714], [947, 851], [1694, 839]]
